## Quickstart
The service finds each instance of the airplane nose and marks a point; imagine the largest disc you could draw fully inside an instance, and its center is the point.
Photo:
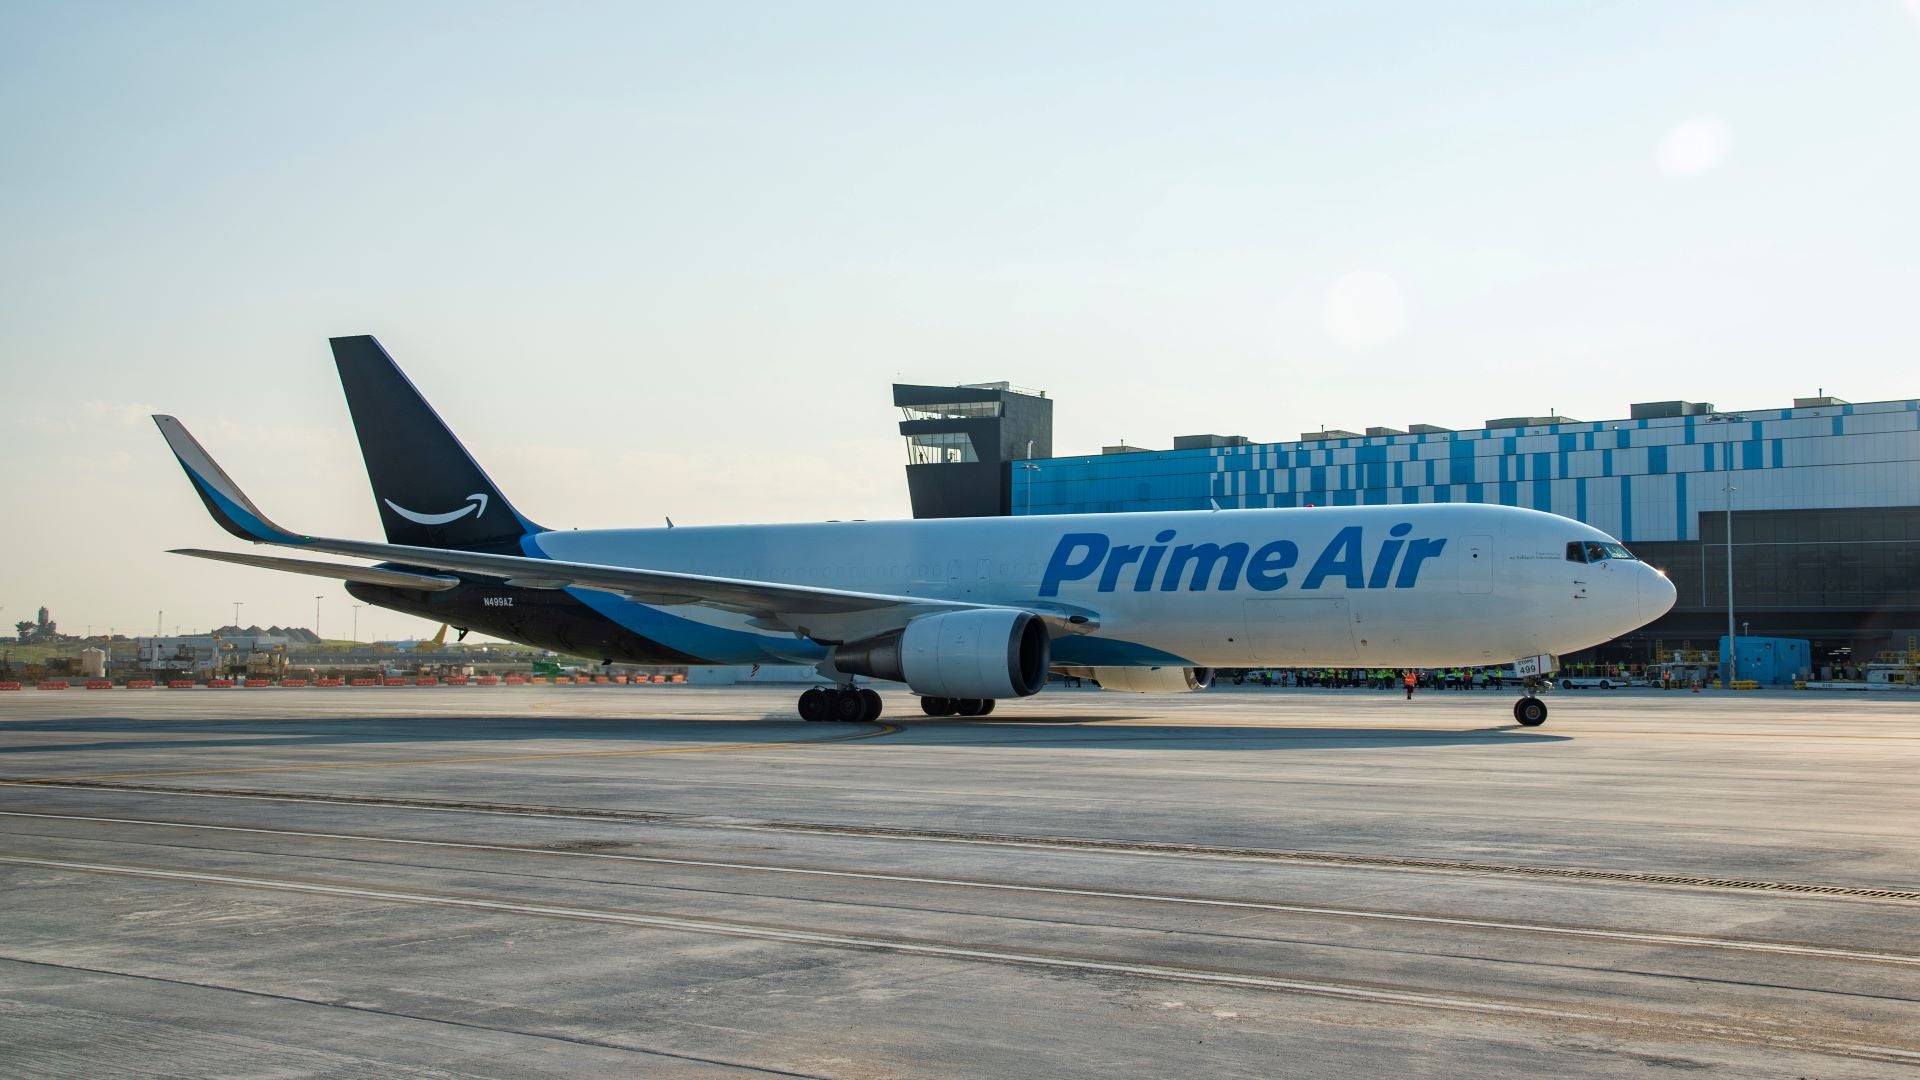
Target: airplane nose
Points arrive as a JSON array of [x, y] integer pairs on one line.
[[1657, 595]]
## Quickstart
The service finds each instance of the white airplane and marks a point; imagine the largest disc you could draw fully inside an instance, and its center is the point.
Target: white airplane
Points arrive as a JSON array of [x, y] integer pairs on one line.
[[964, 611]]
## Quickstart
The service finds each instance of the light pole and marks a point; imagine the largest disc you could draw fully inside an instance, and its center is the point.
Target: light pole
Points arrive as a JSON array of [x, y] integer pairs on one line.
[[1730, 663], [316, 618], [236, 614], [356, 621], [1030, 468]]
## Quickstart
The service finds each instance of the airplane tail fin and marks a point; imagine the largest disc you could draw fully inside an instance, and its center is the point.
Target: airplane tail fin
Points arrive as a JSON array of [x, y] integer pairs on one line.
[[429, 490]]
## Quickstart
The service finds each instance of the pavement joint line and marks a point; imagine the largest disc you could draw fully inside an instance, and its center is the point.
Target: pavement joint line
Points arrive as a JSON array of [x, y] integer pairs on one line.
[[1646, 937], [446, 1021], [879, 730], [1096, 845], [1377, 995]]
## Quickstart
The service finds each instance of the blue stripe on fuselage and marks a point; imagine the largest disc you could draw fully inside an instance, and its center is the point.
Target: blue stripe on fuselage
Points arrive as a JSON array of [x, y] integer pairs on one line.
[[715, 644], [1083, 650]]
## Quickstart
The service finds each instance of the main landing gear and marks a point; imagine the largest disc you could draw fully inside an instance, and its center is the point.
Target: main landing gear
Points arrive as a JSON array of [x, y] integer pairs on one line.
[[848, 705], [1530, 711], [952, 706]]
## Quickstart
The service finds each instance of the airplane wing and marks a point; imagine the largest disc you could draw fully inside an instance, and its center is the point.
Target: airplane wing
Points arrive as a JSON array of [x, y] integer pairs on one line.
[[826, 615], [370, 575]]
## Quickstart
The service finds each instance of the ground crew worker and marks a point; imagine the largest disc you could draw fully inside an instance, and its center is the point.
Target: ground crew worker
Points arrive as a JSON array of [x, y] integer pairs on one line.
[[1409, 681]]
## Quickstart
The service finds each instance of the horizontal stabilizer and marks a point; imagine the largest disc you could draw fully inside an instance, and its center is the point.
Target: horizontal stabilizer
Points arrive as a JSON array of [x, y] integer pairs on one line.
[[365, 575]]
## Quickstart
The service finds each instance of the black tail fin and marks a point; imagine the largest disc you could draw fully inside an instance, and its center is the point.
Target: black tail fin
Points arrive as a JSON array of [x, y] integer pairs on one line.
[[429, 490]]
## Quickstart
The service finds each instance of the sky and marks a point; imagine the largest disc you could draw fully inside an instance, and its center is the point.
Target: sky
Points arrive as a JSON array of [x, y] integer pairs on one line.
[[655, 260]]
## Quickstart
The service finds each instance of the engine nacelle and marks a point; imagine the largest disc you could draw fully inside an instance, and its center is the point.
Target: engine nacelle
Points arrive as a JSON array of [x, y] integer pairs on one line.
[[981, 653], [1152, 680]]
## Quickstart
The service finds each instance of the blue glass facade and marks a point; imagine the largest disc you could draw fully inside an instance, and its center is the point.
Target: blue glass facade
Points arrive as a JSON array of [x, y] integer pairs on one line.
[[1640, 480]]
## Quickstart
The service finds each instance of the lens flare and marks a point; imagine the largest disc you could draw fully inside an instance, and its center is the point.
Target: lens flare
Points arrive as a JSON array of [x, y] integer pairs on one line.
[[1695, 147]]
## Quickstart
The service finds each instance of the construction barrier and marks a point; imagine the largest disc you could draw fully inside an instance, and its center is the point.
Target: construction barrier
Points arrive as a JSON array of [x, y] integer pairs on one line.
[[422, 680]]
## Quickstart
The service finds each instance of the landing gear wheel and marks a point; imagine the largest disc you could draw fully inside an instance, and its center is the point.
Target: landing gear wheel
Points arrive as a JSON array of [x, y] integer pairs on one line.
[[986, 706], [937, 706], [870, 699], [814, 705], [848, 707], [969, 706], [1530, 712]]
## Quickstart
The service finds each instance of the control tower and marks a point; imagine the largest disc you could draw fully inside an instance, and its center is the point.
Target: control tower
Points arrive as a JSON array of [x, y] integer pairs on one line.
[[962, 441]]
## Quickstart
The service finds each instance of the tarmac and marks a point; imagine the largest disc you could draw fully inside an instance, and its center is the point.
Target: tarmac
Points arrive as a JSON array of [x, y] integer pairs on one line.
[[686, 881]]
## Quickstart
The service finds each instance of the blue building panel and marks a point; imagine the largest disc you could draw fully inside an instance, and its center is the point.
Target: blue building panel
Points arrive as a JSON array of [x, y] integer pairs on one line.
[[1831, 456]]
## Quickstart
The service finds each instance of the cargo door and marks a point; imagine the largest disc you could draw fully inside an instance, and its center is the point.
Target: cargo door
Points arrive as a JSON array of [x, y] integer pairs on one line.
[[1473, 567]]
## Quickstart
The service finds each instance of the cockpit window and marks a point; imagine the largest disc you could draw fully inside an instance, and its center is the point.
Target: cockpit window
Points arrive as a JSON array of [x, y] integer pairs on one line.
[[1593, 551]]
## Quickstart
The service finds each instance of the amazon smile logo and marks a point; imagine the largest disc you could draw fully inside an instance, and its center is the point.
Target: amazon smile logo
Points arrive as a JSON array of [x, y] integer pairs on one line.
[[476, 505]]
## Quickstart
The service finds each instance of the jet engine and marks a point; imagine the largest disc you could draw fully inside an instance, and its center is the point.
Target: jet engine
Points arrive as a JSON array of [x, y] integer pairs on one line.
[[981, 653], [1150, 680]]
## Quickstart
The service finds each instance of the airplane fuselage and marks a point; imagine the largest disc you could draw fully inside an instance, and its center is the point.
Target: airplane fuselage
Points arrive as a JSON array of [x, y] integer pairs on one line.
[[1374, 586]]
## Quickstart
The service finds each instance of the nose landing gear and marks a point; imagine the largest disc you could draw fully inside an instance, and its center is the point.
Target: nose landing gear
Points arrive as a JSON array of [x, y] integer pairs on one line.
[[1530, 711], [847, 705]]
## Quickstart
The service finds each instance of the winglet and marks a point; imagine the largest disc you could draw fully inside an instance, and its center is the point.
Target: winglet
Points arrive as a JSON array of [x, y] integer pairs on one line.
[[229, 505]]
